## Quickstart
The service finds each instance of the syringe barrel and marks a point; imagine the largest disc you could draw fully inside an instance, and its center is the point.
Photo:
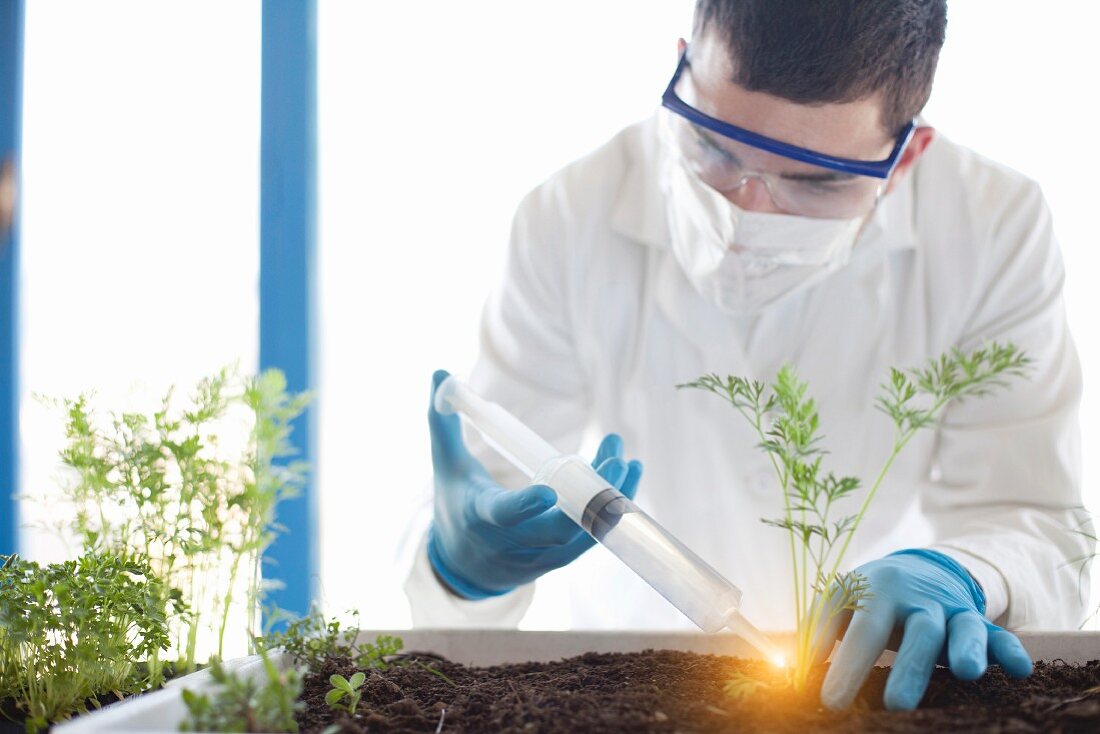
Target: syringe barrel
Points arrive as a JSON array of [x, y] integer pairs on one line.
[[666, 564], [503, 431]]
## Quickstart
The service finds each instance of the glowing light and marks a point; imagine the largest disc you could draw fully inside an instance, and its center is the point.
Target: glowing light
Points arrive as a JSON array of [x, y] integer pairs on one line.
[[779, 661]]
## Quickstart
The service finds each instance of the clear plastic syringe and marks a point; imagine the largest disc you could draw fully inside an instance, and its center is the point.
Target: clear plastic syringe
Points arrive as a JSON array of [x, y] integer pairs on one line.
[[666, 564]]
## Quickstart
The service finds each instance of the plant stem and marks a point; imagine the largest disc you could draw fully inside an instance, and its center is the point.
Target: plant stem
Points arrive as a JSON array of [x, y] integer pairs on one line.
[[757, 421], [899, 444], [227, 601]]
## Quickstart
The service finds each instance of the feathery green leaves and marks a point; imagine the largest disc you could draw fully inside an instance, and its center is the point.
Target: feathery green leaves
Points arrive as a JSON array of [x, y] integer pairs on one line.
[[788, 425]]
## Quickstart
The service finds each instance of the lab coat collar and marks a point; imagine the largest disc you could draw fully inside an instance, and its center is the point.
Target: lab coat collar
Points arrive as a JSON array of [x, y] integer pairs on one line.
[[639, 210]]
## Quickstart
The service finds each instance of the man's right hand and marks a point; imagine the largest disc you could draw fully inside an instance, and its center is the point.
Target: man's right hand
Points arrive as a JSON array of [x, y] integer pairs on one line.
[[486, 540]]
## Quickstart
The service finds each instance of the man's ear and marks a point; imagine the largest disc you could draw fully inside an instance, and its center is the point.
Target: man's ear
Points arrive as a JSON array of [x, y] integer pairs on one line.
[[681, 44], [922, 137]]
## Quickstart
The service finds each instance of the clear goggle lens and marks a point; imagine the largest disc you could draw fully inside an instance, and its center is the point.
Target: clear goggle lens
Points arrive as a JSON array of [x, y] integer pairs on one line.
[[796, 188]]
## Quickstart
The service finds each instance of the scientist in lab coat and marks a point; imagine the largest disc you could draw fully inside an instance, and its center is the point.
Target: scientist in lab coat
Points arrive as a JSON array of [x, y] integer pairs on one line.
[[782, 205]]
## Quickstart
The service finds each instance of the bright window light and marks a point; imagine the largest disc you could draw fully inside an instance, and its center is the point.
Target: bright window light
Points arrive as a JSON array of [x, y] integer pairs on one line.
[[140, 211]]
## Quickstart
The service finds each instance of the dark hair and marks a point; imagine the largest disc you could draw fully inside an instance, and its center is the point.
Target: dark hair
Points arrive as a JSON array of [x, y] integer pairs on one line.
[[820, 51]]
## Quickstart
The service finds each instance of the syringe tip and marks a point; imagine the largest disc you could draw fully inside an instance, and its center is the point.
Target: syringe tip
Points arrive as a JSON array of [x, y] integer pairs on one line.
[[745, 629]]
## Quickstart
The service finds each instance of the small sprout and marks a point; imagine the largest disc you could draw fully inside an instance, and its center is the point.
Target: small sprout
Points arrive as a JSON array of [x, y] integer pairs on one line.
[[741, 686], [437, 673], [343, 688], [373, 655]]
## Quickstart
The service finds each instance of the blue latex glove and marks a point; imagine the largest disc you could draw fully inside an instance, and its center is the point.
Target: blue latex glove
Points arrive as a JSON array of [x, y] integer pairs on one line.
[[486, 540], [931, 601]]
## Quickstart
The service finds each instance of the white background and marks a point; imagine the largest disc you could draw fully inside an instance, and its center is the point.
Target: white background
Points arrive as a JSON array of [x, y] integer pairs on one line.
[[139, 220], [140, 203]]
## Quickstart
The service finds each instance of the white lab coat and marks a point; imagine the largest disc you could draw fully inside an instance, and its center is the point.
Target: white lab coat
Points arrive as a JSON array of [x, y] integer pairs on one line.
[[594, 324]]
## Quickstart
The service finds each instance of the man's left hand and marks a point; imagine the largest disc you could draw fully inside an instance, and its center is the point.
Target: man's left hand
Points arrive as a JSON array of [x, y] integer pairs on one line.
[[933, 603]]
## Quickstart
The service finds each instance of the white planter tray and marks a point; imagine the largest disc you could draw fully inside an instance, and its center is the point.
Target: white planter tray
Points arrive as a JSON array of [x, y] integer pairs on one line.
[[162, 711]]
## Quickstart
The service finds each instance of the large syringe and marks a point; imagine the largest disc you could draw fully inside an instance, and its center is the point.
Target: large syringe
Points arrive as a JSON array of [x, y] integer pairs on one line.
[[666, 564]]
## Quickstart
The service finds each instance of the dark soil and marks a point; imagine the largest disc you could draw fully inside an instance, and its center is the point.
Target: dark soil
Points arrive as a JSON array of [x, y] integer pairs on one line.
[[669, 691]]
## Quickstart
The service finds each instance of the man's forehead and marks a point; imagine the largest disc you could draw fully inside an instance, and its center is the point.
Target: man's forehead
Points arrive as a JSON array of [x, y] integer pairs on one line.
[[849, 129]]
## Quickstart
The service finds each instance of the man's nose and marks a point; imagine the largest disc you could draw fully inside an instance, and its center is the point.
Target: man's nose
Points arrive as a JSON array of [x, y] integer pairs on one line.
[[752, 194]]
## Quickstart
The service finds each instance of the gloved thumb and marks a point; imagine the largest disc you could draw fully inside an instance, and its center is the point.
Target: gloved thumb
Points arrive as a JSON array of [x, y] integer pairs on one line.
[[448, 450]]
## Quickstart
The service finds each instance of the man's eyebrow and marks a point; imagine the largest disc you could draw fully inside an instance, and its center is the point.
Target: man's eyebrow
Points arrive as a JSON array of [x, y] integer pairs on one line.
[[707, 138], [817, 177], [810, 176]]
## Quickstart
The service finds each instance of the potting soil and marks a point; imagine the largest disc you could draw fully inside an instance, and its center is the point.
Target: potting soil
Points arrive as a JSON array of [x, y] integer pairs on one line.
[[671, 691]]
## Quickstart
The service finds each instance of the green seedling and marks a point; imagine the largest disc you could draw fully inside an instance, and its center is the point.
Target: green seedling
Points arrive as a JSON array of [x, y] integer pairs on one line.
[[788, 426], [374, 654], [311, 640], [171, 487], [75, 631], [343, 688], [239, 704]]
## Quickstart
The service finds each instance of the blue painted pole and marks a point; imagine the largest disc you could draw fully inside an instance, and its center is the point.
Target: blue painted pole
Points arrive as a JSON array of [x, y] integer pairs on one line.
[[288, 165], [11, 113]]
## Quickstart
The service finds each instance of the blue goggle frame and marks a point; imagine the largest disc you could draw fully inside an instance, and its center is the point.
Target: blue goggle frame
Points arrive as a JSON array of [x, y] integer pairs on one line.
[[876, 169]]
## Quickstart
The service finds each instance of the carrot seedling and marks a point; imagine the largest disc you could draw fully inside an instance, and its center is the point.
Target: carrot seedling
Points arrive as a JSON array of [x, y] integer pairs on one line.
[[193, 487], [785, 419]]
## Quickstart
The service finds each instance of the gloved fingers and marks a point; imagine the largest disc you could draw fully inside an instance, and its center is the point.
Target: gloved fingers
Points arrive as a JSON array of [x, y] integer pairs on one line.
[[554, 528], [614, 470], [610, 447], [550, 529], [448, 449], [507, 508], [967, 641], [925, 631], [563, 555], [1006, 649], [633, 477], [862, 645]]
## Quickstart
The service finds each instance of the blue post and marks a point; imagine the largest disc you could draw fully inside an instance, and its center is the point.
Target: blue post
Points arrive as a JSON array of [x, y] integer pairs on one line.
[[288, 163], [11, 112]]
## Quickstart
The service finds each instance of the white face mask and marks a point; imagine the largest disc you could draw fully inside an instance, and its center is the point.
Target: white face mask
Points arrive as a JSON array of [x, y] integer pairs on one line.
[[740, 260]]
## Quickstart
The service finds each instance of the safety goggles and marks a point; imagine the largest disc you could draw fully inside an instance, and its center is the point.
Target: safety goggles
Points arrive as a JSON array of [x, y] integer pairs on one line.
[[726, 157]]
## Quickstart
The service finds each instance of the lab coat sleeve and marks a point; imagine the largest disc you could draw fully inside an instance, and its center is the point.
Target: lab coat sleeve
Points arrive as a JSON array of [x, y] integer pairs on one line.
[[526, 363], [1005, 497]]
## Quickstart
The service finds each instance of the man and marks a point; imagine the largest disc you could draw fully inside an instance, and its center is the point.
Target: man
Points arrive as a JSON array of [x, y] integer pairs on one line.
[[782, 206]]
